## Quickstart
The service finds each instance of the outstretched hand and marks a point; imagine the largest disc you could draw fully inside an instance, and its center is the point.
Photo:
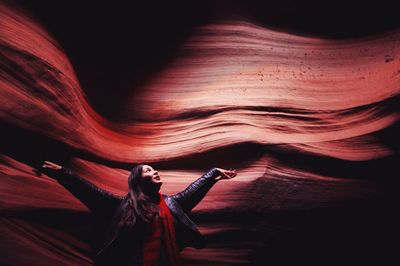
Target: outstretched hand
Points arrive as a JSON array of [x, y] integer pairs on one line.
[[226, 174], [51, 166], [48, 168]]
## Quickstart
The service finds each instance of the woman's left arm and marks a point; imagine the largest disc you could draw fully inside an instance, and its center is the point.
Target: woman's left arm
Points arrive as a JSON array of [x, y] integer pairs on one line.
[[195, 192]]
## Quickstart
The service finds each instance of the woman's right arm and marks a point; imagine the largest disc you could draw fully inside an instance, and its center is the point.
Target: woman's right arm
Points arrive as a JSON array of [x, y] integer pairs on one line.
[[100, 202]]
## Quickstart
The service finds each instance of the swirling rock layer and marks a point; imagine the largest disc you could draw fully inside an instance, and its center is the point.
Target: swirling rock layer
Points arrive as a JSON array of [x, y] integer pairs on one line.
[[310, 125]]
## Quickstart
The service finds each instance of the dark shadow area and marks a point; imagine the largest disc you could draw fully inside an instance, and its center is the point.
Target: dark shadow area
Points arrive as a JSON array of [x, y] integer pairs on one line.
[[382, 170], [83, 226], [352, 233]]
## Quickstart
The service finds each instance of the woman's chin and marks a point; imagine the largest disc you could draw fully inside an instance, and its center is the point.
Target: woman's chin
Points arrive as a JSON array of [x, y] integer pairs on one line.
[[157, 182]]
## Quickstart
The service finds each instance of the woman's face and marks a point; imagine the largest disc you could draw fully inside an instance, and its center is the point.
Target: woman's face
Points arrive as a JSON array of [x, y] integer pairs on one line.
[[150, 176]]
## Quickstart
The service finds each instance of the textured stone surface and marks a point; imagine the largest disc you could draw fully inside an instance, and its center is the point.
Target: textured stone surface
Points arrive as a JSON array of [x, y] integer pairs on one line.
[[310, 125]]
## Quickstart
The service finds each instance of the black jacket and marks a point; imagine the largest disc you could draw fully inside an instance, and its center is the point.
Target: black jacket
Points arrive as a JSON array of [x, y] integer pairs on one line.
[[106, 205]]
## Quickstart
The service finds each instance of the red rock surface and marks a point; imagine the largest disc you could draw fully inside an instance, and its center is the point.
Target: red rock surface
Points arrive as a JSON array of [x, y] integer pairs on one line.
[[306, 122]]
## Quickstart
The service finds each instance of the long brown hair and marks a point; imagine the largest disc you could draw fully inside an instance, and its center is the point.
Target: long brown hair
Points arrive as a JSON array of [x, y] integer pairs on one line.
[[138, 206]]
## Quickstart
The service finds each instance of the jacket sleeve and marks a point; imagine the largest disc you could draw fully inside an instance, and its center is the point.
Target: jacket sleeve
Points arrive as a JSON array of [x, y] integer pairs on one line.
[[100, 202], [195, 192]]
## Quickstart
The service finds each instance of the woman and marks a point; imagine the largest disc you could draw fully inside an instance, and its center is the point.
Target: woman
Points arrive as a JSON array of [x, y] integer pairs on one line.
[[146, 227]]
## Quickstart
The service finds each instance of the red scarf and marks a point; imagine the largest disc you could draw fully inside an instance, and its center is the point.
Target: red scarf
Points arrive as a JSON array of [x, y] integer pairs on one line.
[[161, 229]]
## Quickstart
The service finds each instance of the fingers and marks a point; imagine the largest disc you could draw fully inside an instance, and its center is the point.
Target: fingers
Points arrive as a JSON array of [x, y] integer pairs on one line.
[[232, 172], [229, 173], [232, 175], [50, 165]]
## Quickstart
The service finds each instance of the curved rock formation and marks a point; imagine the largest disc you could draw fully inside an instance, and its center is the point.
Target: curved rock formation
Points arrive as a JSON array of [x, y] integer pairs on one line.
[[307, 122]]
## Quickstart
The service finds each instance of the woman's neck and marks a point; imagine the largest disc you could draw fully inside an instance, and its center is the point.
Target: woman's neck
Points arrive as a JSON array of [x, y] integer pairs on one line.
[[154, 196], [153, 192]]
